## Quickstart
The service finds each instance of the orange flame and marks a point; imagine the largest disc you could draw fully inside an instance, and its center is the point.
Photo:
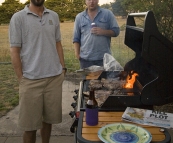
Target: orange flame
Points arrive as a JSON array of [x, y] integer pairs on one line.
[[130, 81]]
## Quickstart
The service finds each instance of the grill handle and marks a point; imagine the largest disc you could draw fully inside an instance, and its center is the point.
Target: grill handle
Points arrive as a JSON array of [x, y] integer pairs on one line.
[[79, 97], [138, 14], [131, 22]]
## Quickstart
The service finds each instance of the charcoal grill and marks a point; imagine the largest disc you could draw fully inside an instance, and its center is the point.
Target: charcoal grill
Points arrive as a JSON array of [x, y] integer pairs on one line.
[[153, 62]]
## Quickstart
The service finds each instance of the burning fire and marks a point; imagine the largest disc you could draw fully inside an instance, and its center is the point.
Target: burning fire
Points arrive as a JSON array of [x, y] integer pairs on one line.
[[130, 80]]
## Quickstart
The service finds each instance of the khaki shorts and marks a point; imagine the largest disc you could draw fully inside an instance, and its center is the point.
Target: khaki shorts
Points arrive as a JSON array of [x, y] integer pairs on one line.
[[40, 101]]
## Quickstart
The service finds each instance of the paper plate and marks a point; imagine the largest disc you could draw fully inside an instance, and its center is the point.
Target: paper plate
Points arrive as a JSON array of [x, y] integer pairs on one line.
[[124, 133]]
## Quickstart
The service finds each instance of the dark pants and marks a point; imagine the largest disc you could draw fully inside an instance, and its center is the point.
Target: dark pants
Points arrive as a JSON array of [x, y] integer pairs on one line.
[[85, 63]]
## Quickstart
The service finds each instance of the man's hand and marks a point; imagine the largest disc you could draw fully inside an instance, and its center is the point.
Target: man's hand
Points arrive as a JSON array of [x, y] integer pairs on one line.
[[20, 78], [97, 31], [64, 70], [77, 56], [102, 32]]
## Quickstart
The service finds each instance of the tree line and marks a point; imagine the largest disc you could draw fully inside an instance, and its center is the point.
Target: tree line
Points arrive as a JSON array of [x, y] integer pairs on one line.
[[162, 9], [68, 9]]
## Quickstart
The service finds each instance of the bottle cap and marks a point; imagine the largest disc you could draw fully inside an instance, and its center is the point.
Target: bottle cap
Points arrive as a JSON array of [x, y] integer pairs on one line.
[[93, 24]]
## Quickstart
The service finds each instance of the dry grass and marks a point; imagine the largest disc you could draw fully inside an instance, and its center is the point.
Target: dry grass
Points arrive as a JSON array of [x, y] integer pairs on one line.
[[8, 89], [4, 44], [8, 82], [117, 45]]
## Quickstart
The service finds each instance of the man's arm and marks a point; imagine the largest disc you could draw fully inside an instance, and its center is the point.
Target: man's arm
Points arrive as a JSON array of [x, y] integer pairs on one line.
[[77, 50], [16, 61], [77, 36], [60, 53]]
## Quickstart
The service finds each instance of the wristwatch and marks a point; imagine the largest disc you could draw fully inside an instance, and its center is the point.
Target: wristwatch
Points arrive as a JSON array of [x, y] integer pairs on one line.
[[65, 69]]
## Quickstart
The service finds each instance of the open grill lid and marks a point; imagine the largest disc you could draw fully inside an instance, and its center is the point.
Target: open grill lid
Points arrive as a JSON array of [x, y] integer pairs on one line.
[[153, 61]]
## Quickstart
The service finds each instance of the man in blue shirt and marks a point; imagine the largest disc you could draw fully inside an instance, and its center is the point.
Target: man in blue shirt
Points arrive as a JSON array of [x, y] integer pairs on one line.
[[91, 43]]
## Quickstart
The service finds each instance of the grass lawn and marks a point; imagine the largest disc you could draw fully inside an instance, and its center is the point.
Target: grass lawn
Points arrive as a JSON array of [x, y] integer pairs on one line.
[[8, 81], [8, 89]]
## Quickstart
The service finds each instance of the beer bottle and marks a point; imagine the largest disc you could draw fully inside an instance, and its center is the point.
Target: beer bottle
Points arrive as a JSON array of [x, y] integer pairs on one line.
[[91, 110], [91, 103]]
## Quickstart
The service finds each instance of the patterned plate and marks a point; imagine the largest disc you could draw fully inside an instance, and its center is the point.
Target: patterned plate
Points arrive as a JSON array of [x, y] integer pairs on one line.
[[124, 133]]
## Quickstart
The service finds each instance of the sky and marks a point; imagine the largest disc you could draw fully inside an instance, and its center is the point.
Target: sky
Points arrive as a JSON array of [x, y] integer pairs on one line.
[[100, 1]]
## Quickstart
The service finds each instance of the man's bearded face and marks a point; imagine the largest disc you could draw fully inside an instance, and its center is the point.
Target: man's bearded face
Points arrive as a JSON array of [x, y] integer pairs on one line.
[[38, 2]]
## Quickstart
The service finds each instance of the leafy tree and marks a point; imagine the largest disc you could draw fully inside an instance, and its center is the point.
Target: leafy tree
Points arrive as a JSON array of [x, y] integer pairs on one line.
[[162, 9], [118, 8], [107, 6], [8, 8], [27, 2], [76, 7], [66, 9], [59, 6], [3, 19]]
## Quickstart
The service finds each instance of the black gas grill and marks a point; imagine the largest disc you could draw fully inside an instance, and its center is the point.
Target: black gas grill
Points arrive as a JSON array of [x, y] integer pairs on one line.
[[153, 62]]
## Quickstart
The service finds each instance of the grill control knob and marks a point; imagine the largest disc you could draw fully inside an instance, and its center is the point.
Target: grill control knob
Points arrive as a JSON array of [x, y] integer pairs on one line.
[[74, 105], [75, 97], [76, 91], [72, 114]]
